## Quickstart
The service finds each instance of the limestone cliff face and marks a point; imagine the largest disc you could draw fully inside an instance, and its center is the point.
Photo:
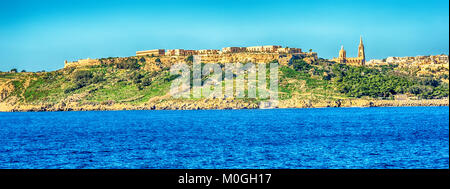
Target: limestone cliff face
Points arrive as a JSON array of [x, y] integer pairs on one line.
[[5, 89], [157, 62], [246, 57], [218, 103], [82, 62]]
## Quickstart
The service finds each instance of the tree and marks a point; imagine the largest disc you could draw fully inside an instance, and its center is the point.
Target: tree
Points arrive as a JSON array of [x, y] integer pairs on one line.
[[131, 64], [274, 61], [14, 70], [190, 59], [373, 82], [301, 65], [310, 50]]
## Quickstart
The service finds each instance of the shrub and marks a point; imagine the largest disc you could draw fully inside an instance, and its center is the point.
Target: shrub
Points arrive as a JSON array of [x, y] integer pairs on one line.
[[128, 64], [82, 78], [71, 88], [274, 61], [189, 59], [430, 81], [300, 65], [146, 81], [136, 77]]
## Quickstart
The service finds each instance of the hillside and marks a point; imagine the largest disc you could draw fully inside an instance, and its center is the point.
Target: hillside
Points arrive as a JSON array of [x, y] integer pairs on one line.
[[143, 83]]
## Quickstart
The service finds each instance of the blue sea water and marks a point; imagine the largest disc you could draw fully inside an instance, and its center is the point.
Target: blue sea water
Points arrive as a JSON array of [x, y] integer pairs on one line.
[[389, 137]]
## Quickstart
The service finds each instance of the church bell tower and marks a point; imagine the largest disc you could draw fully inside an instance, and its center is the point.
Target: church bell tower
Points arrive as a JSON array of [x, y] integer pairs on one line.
[[361, 53]]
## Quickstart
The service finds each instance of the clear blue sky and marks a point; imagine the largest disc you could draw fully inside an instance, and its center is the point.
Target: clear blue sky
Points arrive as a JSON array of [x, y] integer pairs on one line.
[[40, 35]]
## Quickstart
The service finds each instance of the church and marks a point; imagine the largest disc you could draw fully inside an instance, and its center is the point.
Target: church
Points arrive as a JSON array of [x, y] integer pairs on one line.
[[356, 61]]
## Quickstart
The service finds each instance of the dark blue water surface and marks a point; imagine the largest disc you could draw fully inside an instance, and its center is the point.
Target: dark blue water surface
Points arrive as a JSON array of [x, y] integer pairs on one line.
[[401, 137]]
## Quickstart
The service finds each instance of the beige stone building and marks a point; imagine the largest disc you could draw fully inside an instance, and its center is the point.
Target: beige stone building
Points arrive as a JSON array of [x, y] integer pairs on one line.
[[82, 62], [233, 49], [181, 52], [190, 52], [266, 48], [174, 52], [155, 52], [288, 50], [208, 51]]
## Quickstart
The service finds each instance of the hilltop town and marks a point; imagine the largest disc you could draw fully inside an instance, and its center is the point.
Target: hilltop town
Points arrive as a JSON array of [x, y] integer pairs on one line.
[[437, 65], [255, 54]]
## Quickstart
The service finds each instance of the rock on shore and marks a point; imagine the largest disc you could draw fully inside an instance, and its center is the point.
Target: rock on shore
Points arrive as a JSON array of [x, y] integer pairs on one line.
[[217, 103]]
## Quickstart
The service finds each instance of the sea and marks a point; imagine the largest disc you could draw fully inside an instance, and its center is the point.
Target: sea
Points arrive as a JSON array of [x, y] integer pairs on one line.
[[316, 138]]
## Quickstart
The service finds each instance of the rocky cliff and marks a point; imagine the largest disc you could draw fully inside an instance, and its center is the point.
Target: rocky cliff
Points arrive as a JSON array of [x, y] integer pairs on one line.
[[220, 103], [5, 89], [166, 61]]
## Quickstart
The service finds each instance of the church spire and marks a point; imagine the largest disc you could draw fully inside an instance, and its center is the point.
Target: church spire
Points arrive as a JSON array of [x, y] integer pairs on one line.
[[361, 53], [342, 53]]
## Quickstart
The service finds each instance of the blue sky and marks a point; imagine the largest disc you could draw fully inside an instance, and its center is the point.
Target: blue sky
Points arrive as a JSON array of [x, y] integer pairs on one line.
[[40, 35]]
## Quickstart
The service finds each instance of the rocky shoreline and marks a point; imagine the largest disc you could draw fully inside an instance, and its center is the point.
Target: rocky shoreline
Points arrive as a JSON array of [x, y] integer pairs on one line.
[[206, 104]]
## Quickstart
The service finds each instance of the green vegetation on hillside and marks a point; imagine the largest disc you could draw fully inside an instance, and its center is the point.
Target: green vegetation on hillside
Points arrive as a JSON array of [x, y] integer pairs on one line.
[[385, 83]]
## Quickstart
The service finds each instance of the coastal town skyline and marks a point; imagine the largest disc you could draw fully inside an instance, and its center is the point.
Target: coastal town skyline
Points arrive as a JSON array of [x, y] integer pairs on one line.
[[97, 30]]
